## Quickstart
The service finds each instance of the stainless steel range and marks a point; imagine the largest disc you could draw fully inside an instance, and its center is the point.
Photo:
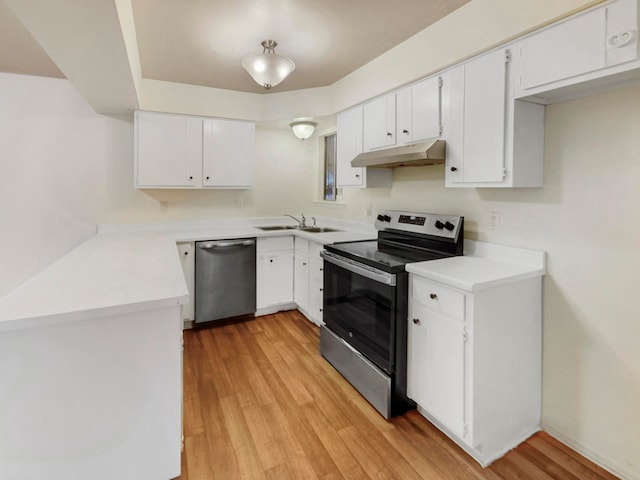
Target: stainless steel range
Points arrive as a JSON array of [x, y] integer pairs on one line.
[[366, 298]]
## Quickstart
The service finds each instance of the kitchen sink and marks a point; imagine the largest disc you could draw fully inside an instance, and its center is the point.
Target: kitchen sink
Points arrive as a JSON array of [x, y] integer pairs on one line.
[[318, 229], [303, 229], [278, 227]]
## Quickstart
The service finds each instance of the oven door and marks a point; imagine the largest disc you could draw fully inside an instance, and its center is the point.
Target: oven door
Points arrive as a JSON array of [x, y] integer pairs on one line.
[[359, 305]]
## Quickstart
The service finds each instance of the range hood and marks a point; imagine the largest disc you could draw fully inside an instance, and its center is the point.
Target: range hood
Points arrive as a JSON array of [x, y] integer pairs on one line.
[[415, 154]]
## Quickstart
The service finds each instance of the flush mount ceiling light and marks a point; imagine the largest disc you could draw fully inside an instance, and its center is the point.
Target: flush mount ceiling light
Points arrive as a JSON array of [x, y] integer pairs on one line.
[[303, 129], [268, 68]]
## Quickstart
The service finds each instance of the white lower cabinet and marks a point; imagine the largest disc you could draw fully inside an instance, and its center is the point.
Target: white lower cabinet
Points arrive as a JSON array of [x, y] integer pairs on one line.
[[474, 362], [316, 282], [308, 279], [301, 274], [274, 271], [188, 262], [436, 380]]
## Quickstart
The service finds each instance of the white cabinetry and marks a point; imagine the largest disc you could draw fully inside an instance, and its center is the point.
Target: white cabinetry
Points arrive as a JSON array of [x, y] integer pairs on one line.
[[493, 140], [308, 279], [316, 283], [583, 47], [301, 274], [474, 362], [228, 153], [380, 122], [274, 272], [168, 150], [418, 111], [179, 151], [349, 145], [187, 260]]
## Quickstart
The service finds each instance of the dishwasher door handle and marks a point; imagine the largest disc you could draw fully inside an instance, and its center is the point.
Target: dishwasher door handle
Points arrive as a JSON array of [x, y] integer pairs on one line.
[[226, 244]]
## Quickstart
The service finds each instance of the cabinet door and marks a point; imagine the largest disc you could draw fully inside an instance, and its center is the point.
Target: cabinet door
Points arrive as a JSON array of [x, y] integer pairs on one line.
[[187, 260], [349, 145], [425, 109], [571, 48], [379, 122], [481, 121], [316, 280], [168, 150], [228, 154], [301, 280], [404, 120], [436, 366], [274, 278]]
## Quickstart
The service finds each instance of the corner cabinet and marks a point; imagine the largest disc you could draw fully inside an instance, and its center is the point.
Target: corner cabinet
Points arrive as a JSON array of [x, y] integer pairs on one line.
[[349, 140], [475, 362], [180, 151], [493, 140]]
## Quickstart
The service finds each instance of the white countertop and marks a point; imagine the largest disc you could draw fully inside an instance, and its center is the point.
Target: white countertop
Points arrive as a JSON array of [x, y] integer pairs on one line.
[[483, 266], [131, 267]]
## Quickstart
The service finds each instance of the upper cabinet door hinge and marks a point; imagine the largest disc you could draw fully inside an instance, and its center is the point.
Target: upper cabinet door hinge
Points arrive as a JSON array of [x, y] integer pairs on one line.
[[507, 56], [465, 336], [441, 129], [440, 82], [504, 173]]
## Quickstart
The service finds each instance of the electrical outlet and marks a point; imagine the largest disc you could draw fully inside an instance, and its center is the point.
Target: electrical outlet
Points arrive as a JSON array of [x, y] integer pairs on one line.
[[494, 220]]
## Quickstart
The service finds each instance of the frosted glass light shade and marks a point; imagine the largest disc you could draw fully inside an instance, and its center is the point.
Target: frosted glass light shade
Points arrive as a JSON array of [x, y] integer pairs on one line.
[[303, 130], [268, 68]]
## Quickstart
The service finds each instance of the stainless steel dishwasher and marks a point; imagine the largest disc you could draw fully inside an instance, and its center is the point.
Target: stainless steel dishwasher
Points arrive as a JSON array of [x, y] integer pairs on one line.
[[225, 279]]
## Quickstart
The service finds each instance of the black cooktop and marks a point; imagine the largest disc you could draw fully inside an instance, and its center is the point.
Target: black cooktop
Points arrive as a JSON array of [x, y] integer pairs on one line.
[[387, 257]]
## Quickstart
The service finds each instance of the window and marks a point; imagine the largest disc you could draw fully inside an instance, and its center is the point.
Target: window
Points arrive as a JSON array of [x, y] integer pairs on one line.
[[330, 192]]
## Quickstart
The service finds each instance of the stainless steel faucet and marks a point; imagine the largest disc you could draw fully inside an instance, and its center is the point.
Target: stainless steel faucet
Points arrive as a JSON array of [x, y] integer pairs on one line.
[[301, 223]]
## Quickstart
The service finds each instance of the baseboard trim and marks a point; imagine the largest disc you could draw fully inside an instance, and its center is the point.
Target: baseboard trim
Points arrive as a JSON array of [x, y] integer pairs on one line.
[[602, 461]]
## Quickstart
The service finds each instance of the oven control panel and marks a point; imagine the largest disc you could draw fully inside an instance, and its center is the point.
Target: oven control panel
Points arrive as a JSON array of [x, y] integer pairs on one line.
[[445, 226]]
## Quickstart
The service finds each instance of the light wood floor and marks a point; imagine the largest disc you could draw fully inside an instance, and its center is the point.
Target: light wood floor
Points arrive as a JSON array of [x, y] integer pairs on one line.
[[261, 403]]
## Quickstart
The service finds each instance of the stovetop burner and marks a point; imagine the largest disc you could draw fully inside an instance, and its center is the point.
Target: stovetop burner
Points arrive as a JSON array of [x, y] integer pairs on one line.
[[405, 237]]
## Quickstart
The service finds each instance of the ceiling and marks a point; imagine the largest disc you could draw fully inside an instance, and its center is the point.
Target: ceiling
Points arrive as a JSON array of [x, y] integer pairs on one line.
[[202, 42]]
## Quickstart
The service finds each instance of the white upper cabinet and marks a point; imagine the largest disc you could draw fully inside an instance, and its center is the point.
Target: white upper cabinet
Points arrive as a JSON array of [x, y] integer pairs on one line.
[[168, 150], [418, 111], [349, 145], [492, 139], [228, 154], [180, 151], [581, 48], [380, 122]]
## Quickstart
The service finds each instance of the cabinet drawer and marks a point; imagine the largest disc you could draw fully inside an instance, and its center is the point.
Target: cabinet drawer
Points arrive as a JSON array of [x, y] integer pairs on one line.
[[275, 243], [437, 297]]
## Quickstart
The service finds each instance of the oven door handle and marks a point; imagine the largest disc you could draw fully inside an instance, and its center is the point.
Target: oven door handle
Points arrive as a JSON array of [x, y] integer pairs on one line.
[[360, 269]]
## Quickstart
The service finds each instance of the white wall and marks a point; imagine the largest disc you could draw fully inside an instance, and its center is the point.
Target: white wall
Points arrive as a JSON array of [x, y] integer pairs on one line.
[[53, 154], [587, 218]]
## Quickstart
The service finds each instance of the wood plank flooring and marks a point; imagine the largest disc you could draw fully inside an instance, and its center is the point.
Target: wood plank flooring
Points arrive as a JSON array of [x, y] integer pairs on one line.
[[261, 403]]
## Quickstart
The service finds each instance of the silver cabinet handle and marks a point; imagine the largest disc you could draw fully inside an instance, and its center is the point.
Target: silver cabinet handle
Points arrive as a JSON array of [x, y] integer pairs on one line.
[[360, 269], [226, 244]]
